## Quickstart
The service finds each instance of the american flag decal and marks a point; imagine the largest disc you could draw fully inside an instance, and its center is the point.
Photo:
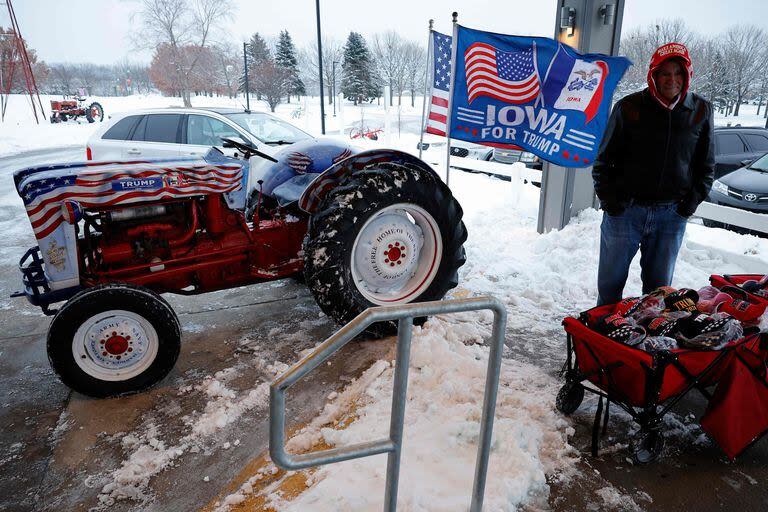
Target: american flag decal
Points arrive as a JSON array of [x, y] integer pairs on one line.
[[299, 162], [50, 194], [341, 156], [511, 77]]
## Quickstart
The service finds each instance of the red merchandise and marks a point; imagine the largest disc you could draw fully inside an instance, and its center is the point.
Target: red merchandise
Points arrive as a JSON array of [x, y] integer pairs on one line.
[[745, 306]]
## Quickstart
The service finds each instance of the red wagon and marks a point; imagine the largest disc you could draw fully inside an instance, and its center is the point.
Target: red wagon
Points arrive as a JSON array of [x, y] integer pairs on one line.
[[645, 385]]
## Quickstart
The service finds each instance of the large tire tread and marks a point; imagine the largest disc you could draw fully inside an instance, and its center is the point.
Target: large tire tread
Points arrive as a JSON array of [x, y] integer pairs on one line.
[[333, 228]]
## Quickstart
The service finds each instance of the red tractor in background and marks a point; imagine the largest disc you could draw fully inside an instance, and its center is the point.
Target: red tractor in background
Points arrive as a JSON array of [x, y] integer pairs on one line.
[[64, 110]]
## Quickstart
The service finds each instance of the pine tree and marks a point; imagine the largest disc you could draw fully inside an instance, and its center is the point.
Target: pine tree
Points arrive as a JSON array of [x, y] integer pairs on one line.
[[258, 53], [285, 57], [358, 82]]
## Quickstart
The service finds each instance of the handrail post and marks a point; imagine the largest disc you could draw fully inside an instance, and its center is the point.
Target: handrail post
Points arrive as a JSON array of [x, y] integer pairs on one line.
[[399, 392], [489, 408]]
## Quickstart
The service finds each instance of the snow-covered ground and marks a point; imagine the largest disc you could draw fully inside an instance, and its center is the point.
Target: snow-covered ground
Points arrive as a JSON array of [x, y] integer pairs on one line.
[[540, 278]]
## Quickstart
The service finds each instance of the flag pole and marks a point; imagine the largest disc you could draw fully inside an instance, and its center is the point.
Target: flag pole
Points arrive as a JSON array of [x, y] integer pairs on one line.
[[454, 44], [426, 89]]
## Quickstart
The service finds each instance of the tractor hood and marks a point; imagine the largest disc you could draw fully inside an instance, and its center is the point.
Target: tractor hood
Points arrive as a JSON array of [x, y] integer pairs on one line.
[[296, 167]]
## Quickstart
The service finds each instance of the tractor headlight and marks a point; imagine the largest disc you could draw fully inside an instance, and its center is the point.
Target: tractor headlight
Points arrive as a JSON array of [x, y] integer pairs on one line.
[[719, 186]]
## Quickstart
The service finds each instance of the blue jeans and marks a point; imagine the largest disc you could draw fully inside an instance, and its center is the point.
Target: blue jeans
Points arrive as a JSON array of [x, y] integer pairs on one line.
[[656, 230]]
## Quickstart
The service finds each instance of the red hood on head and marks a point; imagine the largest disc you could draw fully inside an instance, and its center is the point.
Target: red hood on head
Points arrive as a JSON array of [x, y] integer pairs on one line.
[[663, 53]]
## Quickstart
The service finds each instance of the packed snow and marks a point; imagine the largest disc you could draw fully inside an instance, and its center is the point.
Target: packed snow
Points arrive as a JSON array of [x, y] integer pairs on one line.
[[540, 279]]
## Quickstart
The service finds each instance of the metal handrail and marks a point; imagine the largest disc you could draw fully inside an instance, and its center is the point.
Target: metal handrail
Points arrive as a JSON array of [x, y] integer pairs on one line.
[[392, 445]]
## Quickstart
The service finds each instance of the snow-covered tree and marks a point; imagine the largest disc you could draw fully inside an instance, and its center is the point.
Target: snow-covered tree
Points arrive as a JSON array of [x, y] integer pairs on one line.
[[285, 57], [358, 81]]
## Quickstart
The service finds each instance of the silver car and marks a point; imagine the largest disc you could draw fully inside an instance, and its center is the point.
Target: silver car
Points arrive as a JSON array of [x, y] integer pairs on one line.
[[182, 132]]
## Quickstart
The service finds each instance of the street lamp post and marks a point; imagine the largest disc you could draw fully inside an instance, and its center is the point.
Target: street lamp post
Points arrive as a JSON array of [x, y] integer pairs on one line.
[[320, 68], [245, 68], [334, 87]]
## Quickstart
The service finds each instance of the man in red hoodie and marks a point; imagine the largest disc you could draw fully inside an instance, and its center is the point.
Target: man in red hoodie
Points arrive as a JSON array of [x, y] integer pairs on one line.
[[655, 165]]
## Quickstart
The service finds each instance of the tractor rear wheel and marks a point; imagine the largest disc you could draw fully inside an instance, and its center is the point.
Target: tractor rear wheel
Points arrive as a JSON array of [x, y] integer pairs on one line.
[[113, 339], [95, 113], [385, 235]]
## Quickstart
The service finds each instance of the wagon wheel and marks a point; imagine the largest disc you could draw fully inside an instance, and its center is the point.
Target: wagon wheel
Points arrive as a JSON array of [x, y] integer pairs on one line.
[[113, 339], [647, 446], [95, 113], [569, 397]]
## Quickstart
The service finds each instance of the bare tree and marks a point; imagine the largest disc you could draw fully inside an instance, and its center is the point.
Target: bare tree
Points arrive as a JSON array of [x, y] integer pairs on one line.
[[63, 78], [229, 64], [415, 69], [744, 47], [389, 54], [274, 82], [333, 50], [185, 27]]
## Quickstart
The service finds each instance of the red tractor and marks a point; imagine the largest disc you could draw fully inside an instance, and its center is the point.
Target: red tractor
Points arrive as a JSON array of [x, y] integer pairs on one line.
[[64, 110], [370, 228]]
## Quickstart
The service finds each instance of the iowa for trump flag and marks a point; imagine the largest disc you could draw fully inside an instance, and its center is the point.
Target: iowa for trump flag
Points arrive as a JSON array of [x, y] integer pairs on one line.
[[534, 93]]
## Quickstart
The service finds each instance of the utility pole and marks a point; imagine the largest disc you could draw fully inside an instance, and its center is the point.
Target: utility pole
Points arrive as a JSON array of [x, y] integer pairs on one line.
[[334, 87], [245, 68], [320, 69]]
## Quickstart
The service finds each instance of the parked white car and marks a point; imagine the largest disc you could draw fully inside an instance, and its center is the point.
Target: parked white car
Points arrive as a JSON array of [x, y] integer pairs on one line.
[[182, 132]]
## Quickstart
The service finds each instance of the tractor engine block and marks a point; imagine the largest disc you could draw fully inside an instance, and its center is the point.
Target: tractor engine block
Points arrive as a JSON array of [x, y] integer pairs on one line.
[[189, 246]]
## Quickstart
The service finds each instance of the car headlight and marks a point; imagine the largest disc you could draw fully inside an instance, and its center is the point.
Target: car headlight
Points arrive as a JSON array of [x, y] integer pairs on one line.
[[719, 186]]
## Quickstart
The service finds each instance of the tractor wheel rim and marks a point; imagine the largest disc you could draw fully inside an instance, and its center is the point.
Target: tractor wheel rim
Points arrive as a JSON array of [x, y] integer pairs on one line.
[[396, 254], [115, 345], [95, 112]]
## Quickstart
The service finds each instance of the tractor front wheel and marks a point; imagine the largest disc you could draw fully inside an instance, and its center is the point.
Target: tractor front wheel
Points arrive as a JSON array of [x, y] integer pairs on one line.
[[113, 340], [95, 113], [385, 235]]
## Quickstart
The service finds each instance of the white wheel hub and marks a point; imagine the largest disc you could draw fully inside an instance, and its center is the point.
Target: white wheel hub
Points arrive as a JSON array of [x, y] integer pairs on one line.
[[115, 345], [396, 254]]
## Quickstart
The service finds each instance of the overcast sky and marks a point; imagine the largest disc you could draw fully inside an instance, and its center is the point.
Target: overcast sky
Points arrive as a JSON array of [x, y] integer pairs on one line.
[[98, 30]]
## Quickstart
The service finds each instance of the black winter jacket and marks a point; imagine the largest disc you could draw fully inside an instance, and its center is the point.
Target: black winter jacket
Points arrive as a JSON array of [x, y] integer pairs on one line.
[[651, 154]]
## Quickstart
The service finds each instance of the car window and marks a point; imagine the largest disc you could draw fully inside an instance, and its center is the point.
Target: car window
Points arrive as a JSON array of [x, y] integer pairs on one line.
[[161, 128], [757, 142], [268, 129], [207, 131], [121, 129], [730, 143]]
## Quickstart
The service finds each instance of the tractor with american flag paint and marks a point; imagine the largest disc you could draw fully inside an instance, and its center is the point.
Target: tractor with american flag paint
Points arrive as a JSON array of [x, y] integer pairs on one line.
[[363, 228]]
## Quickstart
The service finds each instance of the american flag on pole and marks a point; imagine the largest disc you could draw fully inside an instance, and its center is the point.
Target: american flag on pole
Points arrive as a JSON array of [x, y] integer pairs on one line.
[[48, 193], [441, 82], [508, 76]]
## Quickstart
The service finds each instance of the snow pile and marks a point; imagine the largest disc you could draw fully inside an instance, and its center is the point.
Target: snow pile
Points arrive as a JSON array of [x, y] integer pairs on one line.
[[442, 425]]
